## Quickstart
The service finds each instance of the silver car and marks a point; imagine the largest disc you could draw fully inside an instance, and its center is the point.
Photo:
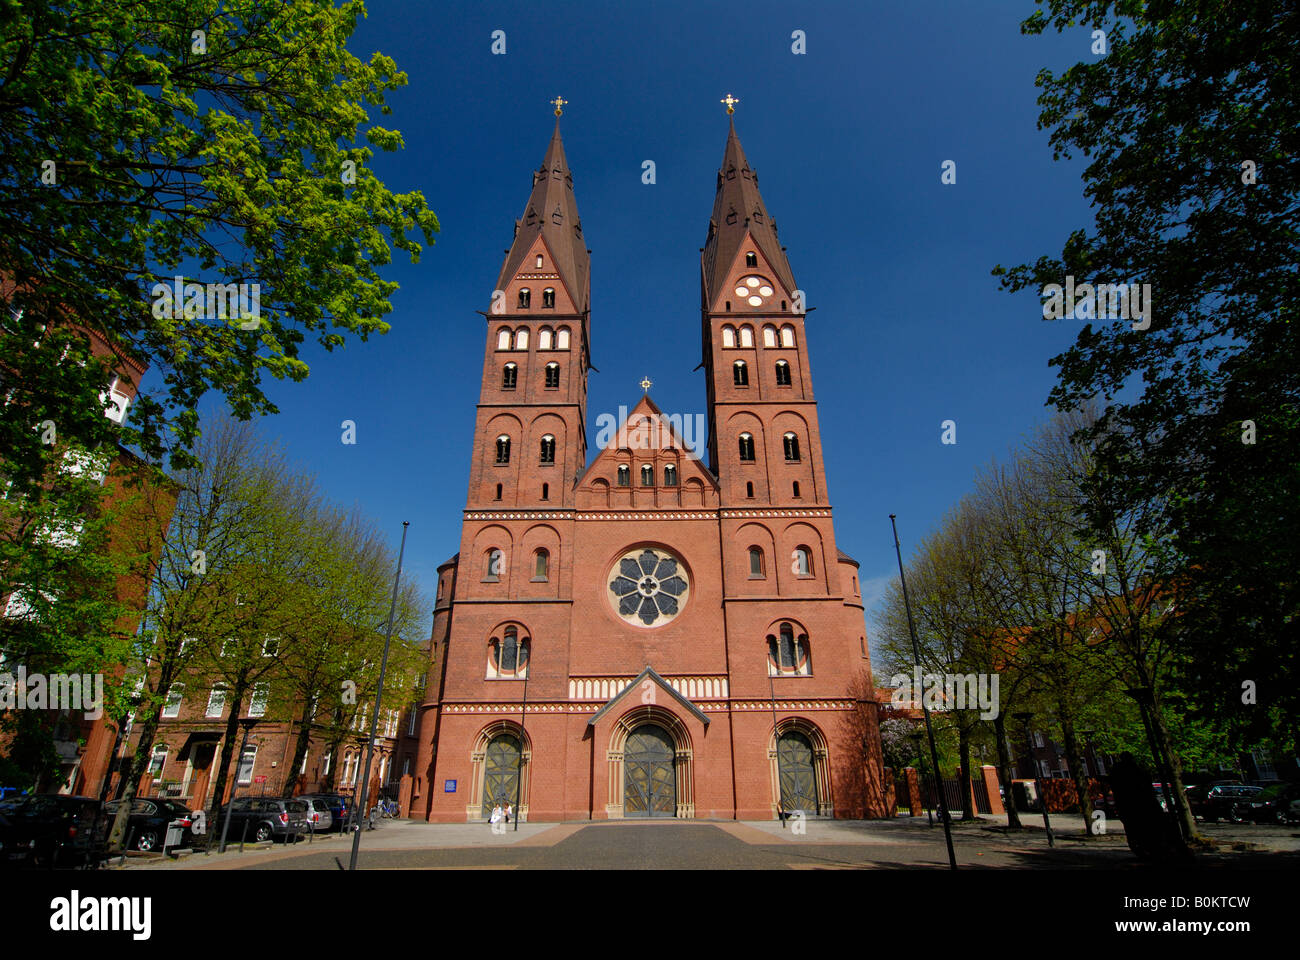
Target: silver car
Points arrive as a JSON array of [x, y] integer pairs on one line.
[[319, 817]]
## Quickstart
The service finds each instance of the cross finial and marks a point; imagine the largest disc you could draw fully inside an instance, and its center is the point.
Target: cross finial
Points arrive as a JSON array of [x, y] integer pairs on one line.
[[646, 384], [731, 102], [559, 103]]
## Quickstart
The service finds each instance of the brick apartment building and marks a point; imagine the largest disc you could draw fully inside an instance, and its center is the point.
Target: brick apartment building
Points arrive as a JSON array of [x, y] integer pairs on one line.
[[645, 634]]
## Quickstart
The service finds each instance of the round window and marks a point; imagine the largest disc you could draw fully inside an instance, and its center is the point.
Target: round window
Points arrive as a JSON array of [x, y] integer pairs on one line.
[[648, 587]]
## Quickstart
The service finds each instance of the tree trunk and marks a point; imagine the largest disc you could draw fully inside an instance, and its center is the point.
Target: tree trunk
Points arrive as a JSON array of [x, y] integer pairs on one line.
[[1076, 771], [227, 748], [1005, 772], [299, 750], [1170, 763], [134, 766], [963, 777]]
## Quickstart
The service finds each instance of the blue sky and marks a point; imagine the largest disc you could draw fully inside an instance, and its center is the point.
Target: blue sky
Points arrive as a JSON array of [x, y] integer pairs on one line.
[[848, 139]]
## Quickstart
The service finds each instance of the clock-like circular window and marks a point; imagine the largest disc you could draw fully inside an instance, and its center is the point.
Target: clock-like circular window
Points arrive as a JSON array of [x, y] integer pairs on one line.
[[648, 587]]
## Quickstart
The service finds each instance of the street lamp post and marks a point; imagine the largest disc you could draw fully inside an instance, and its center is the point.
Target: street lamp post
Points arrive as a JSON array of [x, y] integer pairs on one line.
[[1024, 718]]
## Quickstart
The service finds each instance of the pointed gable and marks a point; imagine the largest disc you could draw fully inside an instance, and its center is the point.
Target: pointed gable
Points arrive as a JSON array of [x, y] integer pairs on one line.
[[638, 685], [650, 435]]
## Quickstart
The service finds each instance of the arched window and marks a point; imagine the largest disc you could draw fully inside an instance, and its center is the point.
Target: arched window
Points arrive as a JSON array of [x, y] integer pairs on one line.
[[509, 376], [503, 339], [747, 447], [553, 376], [802, 564], [546, 491], [503, 449], [545, 338], [525, 298], [670, 476], [746, 336], [539, 261], [740, 373], [541, 565], [498, 491], [787, 653], [769, 336], [751, 259], [521, 339], [495, 561], [624, 476], [548, 449], [647, 475], [787, 336], [782, 373], [791, 447], [795, 490], [749, 489], [756, 571], [728, 336], [509, 655], [548, 298], [562, 339]]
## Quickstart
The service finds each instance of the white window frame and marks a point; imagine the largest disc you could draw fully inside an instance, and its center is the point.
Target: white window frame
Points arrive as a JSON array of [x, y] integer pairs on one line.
[[175, 697], [249, 755], [258, 700], [158, 758], [222, 690]]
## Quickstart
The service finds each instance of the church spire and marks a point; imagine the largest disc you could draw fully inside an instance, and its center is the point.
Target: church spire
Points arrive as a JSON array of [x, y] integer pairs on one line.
[[552, 214], [739, 218]]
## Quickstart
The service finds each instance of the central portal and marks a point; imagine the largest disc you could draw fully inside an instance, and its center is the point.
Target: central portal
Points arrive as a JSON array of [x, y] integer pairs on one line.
[[649, 778]]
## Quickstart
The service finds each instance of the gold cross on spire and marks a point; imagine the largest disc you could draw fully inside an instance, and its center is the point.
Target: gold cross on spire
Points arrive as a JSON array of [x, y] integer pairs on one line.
[[646, 384], [559, 102], [731, 102]]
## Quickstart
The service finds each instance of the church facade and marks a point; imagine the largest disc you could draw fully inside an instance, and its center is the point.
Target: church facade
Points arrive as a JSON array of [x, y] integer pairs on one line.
[[645, 634]]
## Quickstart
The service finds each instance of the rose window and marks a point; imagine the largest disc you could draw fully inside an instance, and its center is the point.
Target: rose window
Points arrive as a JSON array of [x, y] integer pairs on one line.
[[649, 587], [754, 290]]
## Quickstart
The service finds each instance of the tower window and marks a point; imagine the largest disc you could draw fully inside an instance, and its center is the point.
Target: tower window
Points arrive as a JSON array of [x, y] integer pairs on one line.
[[728, 306], [740, 374], [802, 562], [548, 298], [562, 339], [521, 339], [546, 491], [503, 339], [545, 338], [787, 336], [553, 376], [670, 476], [503, 449], [495, 560], [624, 476], [751, 259], [509, 376], [498, 491], [539, 261], [791, 447], [728, 336], [541, 565], [749, 489], [647, 475], [747, 336], [782, 373], [525, 298], [795, 490], [769, 336], [548, 449], [756, 563], [747, 447], [509, 655], [786, 653]]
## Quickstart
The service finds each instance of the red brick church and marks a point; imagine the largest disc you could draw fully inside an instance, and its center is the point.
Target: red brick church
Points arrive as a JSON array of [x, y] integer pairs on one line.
[[641, 634]]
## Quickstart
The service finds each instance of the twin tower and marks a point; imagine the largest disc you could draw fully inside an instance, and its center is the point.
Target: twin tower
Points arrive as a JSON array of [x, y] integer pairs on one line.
[[644, 634]]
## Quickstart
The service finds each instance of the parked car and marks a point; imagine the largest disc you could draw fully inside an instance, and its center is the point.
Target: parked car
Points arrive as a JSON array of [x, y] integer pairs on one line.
[[1224, 801], [319, 817], [51, 830], [1279, 803], [340, 806], [148, 821], [266, 818]]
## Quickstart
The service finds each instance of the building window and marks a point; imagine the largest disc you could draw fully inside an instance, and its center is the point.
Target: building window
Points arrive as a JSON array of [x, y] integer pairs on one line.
[[521, 339], [552, 376], [216, 702], [751, 259], [747, 336], [541, 565], [509, 655], [786, 653], [525, 298], [802, 562], [326, 762], [257, 702], [794, 489], [670, 476], [509, 376], [503, 449], [503, 339], [756, 564], [546, 491], [270, 646], [548, 298], [791, 447], [624, 476], [782, 373], [728, 336], [539, 261], [787, 336], [747, 447], [410, 725], [174, 697], [548, 449], [562, 339], [749, 489], [647, 475], [495, 559], [498, 491], [545, 338], [769, 336], [246, 764], [157, 760], [740, 374]]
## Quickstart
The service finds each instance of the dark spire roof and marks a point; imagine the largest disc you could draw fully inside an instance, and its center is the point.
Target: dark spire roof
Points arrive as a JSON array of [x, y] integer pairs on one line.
[[552, 213], [738, 210]]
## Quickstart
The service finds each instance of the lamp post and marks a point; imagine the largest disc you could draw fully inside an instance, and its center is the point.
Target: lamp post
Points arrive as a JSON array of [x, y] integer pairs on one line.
[[379, 699], [925, 711], [247, 723], [1042, 794]]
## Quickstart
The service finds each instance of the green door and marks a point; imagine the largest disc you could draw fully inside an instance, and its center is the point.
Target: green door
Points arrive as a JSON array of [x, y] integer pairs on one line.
[[794, 758], [649, 779], [500, 773]]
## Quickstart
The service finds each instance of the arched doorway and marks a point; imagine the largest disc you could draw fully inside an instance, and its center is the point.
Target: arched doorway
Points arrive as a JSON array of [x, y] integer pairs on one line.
[[649, 777], [500, 772], [797, 773]]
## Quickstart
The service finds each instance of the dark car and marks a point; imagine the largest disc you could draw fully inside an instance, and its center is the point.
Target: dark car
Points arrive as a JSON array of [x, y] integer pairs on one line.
[[1224, 801], [340, 806], [147, 823], [1279, 803], [51, 830], [266, 818]]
